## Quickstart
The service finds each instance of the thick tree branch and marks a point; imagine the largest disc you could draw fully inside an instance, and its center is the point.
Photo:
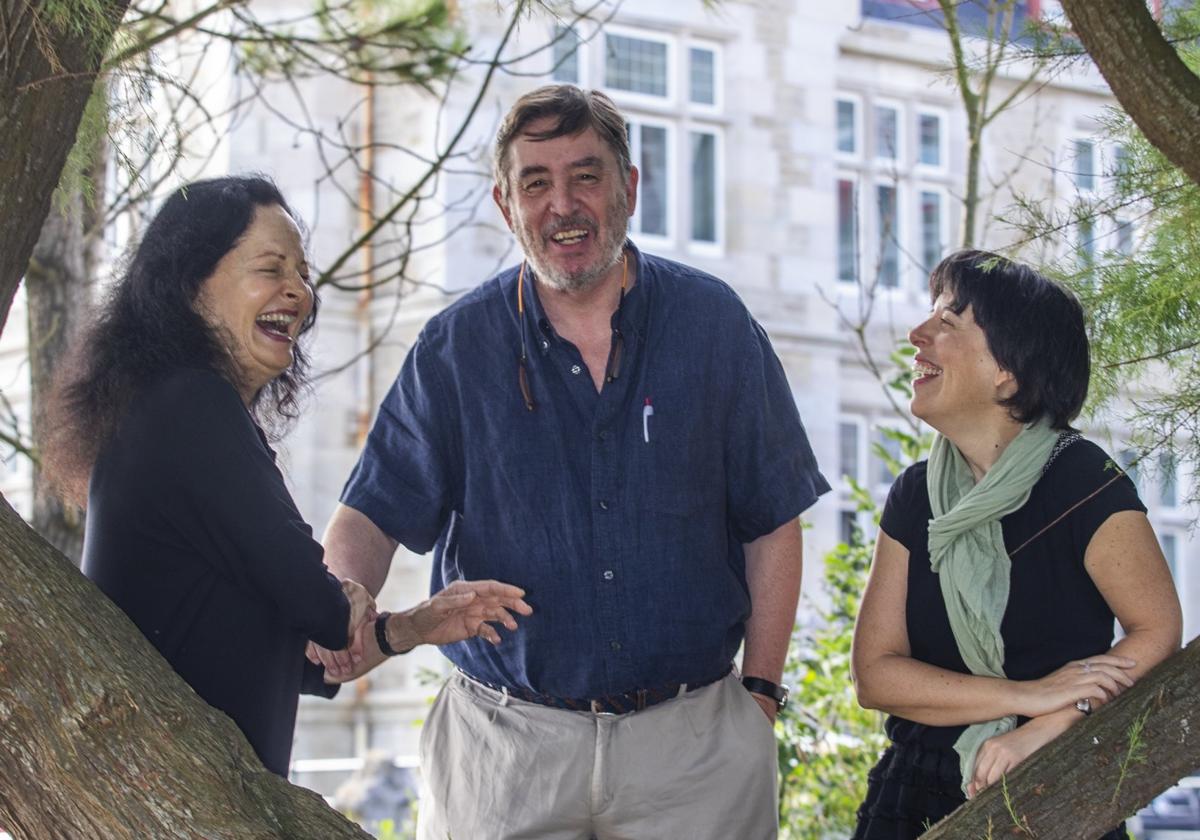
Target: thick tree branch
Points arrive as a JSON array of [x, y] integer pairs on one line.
[[43, 90], [1099, 771], [1145, 73]]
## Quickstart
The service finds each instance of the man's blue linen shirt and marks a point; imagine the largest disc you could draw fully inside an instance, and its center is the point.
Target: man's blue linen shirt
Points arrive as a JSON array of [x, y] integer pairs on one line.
[[629, 549]]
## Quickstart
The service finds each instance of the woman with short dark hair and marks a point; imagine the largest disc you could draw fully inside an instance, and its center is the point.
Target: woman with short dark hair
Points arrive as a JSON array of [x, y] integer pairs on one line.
[[190, 528], [986, 628]]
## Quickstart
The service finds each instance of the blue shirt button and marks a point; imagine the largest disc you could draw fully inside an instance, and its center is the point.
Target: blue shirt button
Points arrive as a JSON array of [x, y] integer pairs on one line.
[[615, 645], [603, 505], [608, 575]]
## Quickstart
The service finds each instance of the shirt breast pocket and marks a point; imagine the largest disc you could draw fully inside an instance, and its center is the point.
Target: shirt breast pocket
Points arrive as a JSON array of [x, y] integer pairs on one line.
[[680, 466]]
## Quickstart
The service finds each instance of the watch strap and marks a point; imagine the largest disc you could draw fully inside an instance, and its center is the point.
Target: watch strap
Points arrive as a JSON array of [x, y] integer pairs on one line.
[[758, 685], [381, 635]]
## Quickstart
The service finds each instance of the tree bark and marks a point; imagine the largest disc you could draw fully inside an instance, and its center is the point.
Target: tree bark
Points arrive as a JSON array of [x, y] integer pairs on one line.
[[1099, 771], [46, 75], [1145, 73], [100, 738]]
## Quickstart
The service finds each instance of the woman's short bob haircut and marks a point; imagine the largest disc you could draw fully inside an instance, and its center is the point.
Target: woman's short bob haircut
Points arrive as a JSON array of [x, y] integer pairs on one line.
[[149, 326], [1034, 328]]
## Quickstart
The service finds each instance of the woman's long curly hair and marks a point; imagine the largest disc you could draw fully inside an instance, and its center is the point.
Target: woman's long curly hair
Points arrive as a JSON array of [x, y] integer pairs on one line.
[[149, 326]]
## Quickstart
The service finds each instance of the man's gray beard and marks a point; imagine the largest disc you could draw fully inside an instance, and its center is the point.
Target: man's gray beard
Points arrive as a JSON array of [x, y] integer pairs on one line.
[[617, 222], [571, 283]]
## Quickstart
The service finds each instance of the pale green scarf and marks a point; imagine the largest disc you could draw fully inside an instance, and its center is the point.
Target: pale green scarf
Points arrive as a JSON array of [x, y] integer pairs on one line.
[[966, 551]]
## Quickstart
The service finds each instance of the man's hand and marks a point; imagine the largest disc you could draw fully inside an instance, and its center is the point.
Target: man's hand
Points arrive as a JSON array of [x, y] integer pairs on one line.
[[768, 705], [465, 609], [462, 610]]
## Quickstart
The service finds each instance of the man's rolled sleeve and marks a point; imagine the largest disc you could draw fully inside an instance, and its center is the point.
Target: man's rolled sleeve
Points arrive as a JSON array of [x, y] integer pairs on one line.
[[403, 479], [773, 474]]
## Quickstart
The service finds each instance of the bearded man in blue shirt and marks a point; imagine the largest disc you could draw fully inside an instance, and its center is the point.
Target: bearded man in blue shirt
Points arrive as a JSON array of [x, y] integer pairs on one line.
[[612, 432]]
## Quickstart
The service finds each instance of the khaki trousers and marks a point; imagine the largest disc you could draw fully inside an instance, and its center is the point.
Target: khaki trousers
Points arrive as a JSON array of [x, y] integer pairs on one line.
[[702, 765]]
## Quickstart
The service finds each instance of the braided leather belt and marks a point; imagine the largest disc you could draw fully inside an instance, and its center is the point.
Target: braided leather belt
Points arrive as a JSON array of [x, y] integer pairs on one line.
[[624, 703]]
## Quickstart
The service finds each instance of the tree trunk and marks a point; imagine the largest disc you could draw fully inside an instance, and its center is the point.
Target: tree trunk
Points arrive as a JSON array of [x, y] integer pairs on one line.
[[1145, 73], [100, 738], [1099, 771], [58, 292]]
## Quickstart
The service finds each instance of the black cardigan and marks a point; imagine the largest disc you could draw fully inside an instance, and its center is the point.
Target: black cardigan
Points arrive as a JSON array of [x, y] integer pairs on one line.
[[191, 531]]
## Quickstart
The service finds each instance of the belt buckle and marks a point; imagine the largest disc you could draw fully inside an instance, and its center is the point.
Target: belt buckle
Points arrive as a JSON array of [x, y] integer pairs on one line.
[[598, 709]]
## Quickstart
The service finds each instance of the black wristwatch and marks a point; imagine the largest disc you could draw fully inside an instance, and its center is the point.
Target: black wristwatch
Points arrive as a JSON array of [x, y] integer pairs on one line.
[[381, 635], [778, 693]]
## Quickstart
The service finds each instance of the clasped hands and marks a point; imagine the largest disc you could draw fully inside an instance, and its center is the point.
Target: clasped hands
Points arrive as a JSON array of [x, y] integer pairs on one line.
[[1050, 704], [464, 609]]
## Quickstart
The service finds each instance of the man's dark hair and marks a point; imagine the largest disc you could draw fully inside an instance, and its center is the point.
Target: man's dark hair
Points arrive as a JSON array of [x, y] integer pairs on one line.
[[1034, 328], [149, 326], [576, 110]]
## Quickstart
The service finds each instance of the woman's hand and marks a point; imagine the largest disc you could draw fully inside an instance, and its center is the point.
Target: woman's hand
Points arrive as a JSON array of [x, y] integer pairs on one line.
[[462, 610], [1000, 755], [362, 610], [1098, 678]]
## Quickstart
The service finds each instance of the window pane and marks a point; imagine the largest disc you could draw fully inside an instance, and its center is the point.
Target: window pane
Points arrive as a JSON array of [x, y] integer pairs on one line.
[[653, 182], [1121, 161], [931, 229], [1085, 165], [851, 534], [1167, 484], [886, 132], [1170, 548], [931, 139], [566, 55], [889, 247], [704, 187], [846, 139], [848, 450], [635, 65], [1124, 237], [847, 245], [703, 73], [883, 471]]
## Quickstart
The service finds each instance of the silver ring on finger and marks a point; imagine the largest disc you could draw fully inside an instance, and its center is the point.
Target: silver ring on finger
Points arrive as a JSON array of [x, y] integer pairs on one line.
[[1084, 705], [1087, 668]]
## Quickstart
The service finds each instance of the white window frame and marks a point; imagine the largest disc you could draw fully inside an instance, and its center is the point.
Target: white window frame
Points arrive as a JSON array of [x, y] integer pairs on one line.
[[695, 246], [899, 234], [857, 102], [857, 180], [702, 108], [582, 57], [672, 186], [632, 97], [919, 223], [900, 162], [943, 119]]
